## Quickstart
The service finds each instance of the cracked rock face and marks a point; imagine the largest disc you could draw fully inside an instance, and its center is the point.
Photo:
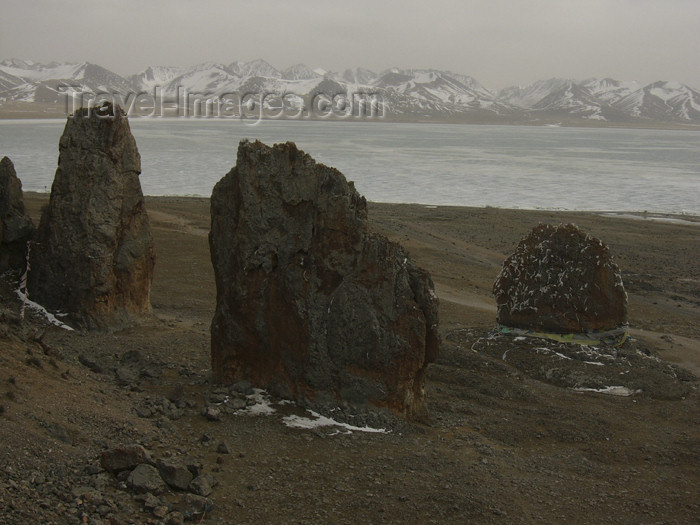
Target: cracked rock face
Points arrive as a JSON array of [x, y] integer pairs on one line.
[[94, 255], [560, 280], [16, 227], [310, 303]]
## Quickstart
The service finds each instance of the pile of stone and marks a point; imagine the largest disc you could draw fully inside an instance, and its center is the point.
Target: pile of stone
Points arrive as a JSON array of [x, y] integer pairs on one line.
[[561, 280], [94, 256], [311, 304], [134, 468], [16, 227]]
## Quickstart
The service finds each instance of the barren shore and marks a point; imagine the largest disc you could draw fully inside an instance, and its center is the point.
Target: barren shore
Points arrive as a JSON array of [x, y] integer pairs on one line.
[[515, 432]]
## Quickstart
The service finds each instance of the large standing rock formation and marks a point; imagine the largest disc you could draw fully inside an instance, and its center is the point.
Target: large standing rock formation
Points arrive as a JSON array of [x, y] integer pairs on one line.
[[309, 302], [561, 280], [16, 227], [94, 257]]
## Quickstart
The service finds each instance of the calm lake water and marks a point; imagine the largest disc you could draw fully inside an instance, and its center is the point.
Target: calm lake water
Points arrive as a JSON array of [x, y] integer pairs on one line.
[[441, 164]]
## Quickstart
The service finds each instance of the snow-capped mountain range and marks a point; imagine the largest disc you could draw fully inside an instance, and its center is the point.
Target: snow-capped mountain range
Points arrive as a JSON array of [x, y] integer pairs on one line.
[[406, 94]]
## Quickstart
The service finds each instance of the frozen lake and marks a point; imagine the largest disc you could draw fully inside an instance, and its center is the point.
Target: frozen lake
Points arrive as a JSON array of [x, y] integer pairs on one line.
[[441, 164]]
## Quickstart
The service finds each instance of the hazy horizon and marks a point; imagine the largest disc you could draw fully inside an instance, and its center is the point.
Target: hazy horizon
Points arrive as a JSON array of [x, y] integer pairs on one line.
[[500, 43]]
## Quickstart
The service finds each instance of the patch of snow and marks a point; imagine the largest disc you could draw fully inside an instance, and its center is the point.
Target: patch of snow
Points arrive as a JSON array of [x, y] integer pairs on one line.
[[621, 391], [261, 405], [294, 421], [543, 350], [41, 310], [667, 90]]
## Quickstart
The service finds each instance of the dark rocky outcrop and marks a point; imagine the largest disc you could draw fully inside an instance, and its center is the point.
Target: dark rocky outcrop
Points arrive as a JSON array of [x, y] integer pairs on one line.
[[310, 303], [95, 256], [561, 280], [16, 227]]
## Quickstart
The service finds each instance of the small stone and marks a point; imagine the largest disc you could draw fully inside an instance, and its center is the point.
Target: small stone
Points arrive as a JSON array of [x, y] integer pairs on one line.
[[126, 375], [123, 475], [196, 506], [92, 470], [223, 448], [195, 467], [150, 502], [124, 458], [202, 485], [242, 387], [217, 398], [90, 363], [146, 478], [81, 491], [175, 474], [212, 413], [177, 393], [160, 511], [237, 403], [175, 518], [60, 433]]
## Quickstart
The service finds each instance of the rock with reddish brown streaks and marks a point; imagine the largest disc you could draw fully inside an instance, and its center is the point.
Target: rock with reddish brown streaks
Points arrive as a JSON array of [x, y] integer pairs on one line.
[[16, 227], [561, 280], [310, 303], [94, 257]]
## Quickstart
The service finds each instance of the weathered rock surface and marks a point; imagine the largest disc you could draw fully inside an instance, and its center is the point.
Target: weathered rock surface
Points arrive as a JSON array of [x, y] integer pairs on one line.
[[175, 474], [16, 227], [560, 280], [124, 458], [202, 485], [95, 255], [310, 303], [146, 478]]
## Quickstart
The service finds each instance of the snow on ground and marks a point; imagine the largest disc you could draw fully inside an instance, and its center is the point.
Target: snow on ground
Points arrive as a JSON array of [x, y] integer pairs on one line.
[[294, 421], [262, 405], [42, 311], [622, 391]]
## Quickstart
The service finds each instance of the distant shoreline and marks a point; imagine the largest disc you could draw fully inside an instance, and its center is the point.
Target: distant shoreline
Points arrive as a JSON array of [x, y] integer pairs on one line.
[[480, 118], [688, 219]]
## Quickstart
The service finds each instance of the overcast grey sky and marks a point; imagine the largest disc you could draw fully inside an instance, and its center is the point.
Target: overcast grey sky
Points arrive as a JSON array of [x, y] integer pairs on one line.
[[498, 42]]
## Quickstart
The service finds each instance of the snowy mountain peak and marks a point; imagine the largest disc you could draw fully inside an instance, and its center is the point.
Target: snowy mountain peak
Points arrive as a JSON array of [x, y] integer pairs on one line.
[[299, 72], [359, 76], [259, 68], [414, 94], [528, 96]]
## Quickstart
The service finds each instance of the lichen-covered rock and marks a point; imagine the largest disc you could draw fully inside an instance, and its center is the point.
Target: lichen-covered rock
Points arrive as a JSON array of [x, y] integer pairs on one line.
[[310, 303], [561, 280], [16, 227], [94, 257]]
